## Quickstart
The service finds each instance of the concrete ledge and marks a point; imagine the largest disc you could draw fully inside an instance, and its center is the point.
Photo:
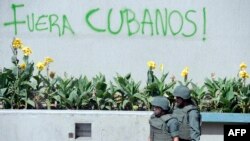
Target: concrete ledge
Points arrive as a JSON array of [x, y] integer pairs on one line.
[[76, 112], [226, 117], [206, 116]]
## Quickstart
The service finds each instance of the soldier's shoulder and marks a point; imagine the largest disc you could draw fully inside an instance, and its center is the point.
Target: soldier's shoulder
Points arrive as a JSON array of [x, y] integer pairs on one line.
[[173, 119], [193, 112], [190, 108], [173, 122]]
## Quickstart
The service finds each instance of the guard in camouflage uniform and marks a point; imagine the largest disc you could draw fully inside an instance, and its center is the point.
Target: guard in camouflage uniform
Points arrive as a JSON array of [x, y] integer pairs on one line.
[[188, 115], [163, 127]]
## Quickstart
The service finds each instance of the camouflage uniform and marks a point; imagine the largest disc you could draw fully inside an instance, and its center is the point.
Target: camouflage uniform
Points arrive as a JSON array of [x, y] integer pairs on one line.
[[189, 117], [165, 127]]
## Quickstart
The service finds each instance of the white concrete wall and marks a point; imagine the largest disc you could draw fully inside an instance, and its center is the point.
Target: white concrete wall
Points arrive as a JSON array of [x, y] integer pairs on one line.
[[55, 125], [226, 31]]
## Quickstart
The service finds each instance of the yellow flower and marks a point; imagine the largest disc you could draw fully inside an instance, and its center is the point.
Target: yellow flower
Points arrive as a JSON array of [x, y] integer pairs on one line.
[[161, 67], [17, 43], [40, 66], [151, 64], [27, 51], [22, 66], [243, 74], [243, 66], [48, 60], [184, 72]]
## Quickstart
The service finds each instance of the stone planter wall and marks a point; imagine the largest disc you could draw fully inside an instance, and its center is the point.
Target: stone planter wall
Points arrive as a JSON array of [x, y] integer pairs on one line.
[[60, 125]]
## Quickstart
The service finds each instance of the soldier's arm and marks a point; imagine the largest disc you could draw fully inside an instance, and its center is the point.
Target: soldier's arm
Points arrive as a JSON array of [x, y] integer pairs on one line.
[[149, 138], [175, 138], [194, 122], [173, 129], [150, 134]]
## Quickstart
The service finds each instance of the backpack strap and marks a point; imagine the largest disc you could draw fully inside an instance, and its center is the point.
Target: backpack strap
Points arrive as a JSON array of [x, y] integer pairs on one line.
[[189, 108], [166, 118]]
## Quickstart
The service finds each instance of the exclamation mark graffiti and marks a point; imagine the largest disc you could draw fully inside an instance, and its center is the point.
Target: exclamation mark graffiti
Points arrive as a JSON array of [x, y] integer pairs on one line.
[[204, 24]]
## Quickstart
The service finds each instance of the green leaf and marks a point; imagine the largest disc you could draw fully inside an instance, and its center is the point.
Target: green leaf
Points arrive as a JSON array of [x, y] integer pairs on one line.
[[15, 71], [27, 83], [2, 91], [73, 96], [125, 102], [230, 95], [57, 98], [30, 102], [25, 59], [45, 80], [121, 81], [101, 86], [128, 76], [163, 77], [23, 93], [108, 107]]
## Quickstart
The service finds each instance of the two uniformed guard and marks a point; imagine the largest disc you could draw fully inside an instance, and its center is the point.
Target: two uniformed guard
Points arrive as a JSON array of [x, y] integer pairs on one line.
[[188, 115], [163, 127]]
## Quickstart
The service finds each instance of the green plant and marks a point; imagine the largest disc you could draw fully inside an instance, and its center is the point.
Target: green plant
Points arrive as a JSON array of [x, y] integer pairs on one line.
[[68, 93], [46, 89], [160, 87], [199, 97], [103, 98], [222, 93], [131, 97], [20, 88], [15, 83], [242, 92]]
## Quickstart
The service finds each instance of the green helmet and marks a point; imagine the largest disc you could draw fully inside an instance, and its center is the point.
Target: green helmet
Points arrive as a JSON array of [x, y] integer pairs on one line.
[[162, 102], [182, 91]]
